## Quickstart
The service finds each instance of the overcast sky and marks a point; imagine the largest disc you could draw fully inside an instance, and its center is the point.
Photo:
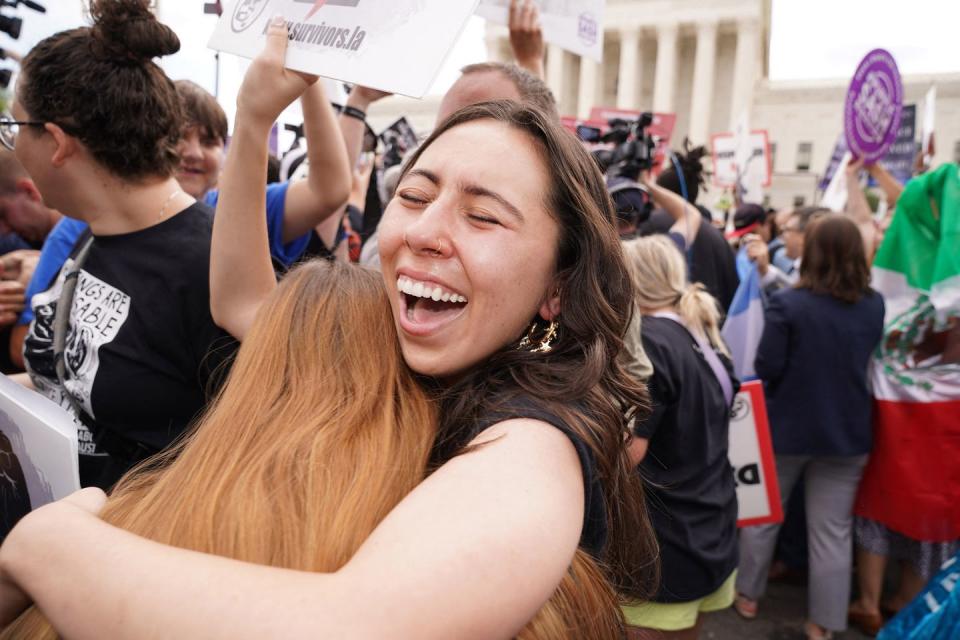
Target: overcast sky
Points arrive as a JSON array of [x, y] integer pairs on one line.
[[810, 38]]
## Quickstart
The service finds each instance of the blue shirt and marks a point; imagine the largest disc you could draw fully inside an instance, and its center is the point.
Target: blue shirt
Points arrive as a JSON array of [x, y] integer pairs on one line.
[[60, 242]]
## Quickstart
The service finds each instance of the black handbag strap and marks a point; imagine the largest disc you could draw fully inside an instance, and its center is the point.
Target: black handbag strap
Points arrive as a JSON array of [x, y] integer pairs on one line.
[[61, 324]]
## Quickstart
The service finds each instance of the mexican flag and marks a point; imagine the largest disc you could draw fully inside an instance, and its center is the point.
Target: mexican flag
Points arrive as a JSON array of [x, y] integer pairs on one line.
[[912, 482]]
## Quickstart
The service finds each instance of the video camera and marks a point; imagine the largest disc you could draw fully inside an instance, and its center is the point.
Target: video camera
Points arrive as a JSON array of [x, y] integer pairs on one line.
[[634, 148], [11, 25]]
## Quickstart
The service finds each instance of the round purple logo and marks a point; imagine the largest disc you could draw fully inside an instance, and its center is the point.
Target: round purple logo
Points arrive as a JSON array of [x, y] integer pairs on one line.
[[871, 114]]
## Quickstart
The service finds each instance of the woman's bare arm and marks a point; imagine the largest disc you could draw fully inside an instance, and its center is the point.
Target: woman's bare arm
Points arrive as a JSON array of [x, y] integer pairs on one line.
[[323, 193], [473, 552], [687, 217], [890, 185], [241, 273], [858, 209]]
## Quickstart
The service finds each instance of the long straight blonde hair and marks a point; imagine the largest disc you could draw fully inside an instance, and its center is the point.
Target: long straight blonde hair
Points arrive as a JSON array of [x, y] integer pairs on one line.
[[659, 274], [320, 430]]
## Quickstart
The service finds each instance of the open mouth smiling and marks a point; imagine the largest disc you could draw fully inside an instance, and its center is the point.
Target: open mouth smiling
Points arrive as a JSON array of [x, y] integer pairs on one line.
[[426, 307]]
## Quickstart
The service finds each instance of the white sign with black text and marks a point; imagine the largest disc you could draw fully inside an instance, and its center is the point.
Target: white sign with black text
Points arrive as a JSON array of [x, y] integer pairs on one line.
[[399, 48], [751, 455], [743, 162], [574, 25]]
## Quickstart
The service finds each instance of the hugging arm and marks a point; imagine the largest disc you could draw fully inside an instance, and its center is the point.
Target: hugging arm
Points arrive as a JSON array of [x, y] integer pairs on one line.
[[463, 556]]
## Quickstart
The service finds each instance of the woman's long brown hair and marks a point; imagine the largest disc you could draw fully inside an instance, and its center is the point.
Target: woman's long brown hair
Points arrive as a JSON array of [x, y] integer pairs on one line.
[[581, 379], [834, 261], [319, 432]]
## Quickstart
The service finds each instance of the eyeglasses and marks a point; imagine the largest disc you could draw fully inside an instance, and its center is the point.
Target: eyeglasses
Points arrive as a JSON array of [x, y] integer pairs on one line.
[[10, 127]]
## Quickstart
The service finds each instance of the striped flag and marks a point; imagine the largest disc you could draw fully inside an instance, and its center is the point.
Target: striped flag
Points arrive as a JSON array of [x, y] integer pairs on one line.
[[744, 324], [912, 483]]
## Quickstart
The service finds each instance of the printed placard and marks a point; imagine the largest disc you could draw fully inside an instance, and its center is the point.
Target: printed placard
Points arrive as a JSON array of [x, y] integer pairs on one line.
[[38, 452], [726, 170], [574, 25], [871, 114], [898, 160], [399, 48], [751, 455], [398, 140]]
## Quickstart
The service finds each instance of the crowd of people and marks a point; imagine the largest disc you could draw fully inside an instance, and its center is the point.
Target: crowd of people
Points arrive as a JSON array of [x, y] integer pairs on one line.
[[483, 394]]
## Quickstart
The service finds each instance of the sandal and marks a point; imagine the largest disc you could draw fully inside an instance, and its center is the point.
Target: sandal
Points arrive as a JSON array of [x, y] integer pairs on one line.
[[745, 607], [814, 632]]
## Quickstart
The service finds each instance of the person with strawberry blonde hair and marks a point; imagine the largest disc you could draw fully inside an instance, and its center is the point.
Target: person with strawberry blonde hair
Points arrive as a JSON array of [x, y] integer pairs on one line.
[[509, 296]]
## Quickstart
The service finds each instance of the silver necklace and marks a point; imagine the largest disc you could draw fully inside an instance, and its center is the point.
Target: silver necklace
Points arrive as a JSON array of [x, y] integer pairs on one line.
[[166, 204]]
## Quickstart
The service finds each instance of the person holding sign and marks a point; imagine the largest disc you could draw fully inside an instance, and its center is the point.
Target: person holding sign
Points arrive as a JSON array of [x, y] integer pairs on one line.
[[682, 446], [817, 341], [123, 337], [506, 283]]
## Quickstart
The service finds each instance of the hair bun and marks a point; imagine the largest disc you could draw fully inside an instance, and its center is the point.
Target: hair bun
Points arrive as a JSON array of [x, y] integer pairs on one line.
[[128, 31]]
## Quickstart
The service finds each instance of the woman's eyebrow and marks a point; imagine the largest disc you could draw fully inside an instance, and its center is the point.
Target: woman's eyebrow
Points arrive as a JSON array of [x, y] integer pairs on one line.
[[483, 192], [471, 189], [424, 173]]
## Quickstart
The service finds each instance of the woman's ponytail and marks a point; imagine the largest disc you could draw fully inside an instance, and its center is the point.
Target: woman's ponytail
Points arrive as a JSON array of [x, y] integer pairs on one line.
[[701, 313]]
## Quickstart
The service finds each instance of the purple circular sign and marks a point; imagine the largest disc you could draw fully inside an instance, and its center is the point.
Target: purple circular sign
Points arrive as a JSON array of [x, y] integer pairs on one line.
[[871, 115]]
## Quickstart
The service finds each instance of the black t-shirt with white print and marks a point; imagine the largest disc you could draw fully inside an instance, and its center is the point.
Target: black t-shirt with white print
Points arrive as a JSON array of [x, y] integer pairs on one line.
[[141, 346]]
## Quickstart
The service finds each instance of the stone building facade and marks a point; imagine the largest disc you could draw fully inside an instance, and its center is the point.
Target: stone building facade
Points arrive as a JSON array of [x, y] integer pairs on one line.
[[707, 63]]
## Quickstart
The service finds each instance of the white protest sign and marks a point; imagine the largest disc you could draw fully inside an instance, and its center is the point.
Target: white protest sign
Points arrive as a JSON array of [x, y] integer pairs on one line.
[[835, 195], [574, 25], [751, 456], [38, 451], [397, 48], [751, 173]]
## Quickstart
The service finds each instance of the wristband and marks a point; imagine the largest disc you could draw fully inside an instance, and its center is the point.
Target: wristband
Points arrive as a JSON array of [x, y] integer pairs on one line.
[[353, 112]]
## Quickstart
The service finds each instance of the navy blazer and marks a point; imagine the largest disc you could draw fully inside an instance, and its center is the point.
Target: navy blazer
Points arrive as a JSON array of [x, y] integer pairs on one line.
[[813, 359]]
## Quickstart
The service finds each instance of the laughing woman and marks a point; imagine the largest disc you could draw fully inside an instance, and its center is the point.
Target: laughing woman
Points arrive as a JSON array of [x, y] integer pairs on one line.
[[507, 287]]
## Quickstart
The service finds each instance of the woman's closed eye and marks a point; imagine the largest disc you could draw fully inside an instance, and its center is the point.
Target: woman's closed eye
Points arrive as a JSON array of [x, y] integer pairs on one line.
[[414, 198], [482, 218]]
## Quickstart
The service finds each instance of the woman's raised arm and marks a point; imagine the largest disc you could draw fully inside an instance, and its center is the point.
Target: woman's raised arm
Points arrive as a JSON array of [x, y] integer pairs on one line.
[[241, 273]]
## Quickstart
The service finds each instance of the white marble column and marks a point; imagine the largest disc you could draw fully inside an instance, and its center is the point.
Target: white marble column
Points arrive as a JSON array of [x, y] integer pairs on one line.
[[589, 85], [704, 68], [665, 79], [628, 78], [746, 69], [556, 61]]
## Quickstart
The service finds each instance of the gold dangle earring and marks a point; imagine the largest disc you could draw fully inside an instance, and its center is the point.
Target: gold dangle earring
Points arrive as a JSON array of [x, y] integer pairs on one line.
[[545, 344]]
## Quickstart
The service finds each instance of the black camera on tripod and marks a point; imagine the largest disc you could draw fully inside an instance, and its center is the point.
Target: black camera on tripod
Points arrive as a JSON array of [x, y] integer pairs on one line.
[[11, 25], [634, 150]]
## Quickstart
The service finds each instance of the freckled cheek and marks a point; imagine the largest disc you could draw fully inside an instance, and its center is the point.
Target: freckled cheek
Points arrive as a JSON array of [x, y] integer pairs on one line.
[[506, 294]]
